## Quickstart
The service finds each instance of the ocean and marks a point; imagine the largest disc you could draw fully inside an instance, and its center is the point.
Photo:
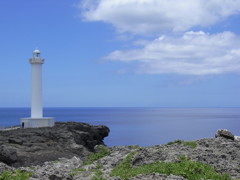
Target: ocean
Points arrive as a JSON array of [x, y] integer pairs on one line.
[[141, 126]]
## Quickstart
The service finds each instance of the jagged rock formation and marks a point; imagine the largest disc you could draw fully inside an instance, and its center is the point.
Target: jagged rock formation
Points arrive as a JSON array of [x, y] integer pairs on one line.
[[222, 153], [224, 133], [34, 146]]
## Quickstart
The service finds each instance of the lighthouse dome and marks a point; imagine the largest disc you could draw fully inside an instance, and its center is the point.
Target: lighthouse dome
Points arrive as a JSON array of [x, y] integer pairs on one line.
[[36, 51]]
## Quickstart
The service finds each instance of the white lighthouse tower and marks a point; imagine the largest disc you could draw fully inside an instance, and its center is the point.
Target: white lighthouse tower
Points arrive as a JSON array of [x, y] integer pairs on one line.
[[36, 119]]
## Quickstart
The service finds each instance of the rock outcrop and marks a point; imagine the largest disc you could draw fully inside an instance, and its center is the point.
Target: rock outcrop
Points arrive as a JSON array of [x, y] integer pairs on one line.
[[225, 134], [222, 153], [4, 167], [34, 146]]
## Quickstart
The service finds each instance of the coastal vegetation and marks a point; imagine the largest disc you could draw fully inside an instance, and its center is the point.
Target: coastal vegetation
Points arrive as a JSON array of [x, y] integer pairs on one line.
[[98, 174], [17, 175], [76, 171], [185, 143], [209, 158], [98, 178], [102, 152], [191, 170]]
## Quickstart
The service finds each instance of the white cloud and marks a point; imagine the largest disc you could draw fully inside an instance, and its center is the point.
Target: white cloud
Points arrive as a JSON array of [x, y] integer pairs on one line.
[[194, 53], [155, 16]]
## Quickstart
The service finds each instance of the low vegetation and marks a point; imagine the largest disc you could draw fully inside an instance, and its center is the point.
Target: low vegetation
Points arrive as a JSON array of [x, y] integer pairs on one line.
[[190, 143], [191, 170], [76, 171], [185, 143], [98, 178], [98, 174], [55, 162], [18, 175], [175, 142], [102, 152]]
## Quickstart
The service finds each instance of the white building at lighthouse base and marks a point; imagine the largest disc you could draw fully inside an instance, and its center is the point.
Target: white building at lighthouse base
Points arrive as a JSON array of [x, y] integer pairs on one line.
[[37, 122]]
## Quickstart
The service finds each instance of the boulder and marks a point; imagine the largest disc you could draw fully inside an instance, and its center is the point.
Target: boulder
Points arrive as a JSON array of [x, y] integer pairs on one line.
[[8, 155], [237, 138], [225, 134]]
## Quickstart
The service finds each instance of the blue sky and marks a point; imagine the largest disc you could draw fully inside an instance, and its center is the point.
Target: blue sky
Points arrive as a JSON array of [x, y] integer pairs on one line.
[[122, 53]]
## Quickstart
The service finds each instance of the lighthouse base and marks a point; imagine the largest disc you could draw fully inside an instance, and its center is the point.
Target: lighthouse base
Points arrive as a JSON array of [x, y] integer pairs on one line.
[[37, 122]]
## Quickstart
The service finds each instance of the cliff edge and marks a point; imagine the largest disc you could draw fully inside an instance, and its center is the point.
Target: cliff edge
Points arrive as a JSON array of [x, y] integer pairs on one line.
[[34, 146], [75, 151]]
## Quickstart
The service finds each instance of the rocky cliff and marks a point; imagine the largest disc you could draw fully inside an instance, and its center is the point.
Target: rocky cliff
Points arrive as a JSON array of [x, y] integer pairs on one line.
[[34, 146], [209, 158]]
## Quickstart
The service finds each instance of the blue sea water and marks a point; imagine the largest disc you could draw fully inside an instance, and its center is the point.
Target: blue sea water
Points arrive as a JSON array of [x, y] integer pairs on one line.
[[141, 126]]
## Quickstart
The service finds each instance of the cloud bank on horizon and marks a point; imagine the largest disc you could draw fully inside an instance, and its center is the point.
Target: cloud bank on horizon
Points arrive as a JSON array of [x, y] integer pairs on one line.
[[176, 48]]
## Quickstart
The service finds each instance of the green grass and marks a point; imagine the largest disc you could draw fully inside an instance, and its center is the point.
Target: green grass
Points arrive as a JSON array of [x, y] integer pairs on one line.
[[185, 143], [190, 143], [98, 178], [103, 151], [183, 158], [175, 142], [191, 170], [18, 175], [99, 166], [79, 169], [98, 174], [76, 171]]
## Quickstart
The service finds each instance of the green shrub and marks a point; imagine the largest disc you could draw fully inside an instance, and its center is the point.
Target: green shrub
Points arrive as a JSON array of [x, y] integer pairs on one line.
[[98, 172], [79, 169], [98, 178], [76, 171], [73, 173], [102, 152], [190, 143], [191, 170], [124, 169], [18, 175], [99, 166], [185, 143], [175, 142], [183, 158]]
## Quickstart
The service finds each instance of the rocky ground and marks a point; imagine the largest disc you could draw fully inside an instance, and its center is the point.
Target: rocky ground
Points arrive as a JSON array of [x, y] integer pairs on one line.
[[34, 146], [221, 152]]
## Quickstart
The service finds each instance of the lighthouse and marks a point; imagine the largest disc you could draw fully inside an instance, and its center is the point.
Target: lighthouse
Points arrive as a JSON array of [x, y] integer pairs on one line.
[[36, 119]]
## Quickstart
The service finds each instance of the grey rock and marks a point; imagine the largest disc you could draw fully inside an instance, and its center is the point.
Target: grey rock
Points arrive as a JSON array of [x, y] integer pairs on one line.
[[34, 146], [15, 141], [55, 170], [225, 134], [118, 154], [237, 138], [75, 141], [4, 167], [222, 154], [8, 155]]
